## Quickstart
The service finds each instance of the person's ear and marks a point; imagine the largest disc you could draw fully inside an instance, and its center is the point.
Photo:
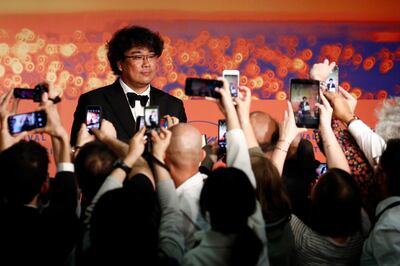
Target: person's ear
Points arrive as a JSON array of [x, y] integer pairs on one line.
[[119, 65]]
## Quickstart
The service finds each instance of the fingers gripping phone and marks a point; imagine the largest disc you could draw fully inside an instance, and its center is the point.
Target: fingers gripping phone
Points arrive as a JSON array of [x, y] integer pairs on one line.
[[304, 94], [202, 87], [232, 76], [93, 117], [27, 121], [332, 82]]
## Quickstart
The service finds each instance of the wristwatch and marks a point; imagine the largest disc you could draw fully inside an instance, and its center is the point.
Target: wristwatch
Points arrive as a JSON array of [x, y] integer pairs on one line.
[[120, 164]]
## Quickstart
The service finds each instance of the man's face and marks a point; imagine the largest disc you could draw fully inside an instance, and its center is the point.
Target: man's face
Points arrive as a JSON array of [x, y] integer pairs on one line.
[[138, 67]]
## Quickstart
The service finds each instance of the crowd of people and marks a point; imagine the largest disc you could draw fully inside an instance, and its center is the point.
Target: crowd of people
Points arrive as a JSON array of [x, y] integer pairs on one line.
[[156, 198]]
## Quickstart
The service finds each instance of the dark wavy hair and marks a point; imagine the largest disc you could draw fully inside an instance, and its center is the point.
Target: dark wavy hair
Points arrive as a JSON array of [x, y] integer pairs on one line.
[[23, 171], [336, 204], [229, 198], [127, 38]]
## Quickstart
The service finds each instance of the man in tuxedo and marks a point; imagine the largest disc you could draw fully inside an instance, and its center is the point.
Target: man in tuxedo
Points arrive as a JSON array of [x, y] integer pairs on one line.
[[133, 53]]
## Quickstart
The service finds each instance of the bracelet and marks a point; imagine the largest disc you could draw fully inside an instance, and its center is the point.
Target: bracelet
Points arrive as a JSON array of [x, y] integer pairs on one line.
[[353, 119], [279, 148], [155, 160]]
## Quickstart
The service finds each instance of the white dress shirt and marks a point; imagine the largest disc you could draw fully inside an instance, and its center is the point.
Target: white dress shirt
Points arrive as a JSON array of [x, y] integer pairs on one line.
[[139, 109]]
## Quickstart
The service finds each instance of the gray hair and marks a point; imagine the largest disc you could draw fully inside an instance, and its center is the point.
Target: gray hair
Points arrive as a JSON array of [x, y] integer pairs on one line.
[[388, 125]]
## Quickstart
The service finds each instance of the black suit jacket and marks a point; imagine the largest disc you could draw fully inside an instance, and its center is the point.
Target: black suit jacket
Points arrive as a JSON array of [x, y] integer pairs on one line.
[[116, 109], [47, 237]]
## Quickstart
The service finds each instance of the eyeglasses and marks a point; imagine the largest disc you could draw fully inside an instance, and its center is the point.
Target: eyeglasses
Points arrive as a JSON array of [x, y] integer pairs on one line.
[[139, 58]]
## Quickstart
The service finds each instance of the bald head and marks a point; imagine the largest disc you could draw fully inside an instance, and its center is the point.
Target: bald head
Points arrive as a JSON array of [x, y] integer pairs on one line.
[[265, 128], [185, 148]]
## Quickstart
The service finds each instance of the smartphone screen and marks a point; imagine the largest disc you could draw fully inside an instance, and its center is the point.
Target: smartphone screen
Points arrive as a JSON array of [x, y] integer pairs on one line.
[[321, 169], [222, 133], [20, 93], [25, 122], [232, 76], [332, 82], [93, 116], [151, 116], [304, 94], [202, 87], [164, 123]]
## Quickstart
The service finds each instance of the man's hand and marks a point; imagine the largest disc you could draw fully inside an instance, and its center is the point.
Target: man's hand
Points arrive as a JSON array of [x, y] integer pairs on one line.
[[6, 139], [107, 130], [321, 71], [343, 104], [136, 147], [160, 143], [83, 136], [243, 103], [325, 112], [288, 129]]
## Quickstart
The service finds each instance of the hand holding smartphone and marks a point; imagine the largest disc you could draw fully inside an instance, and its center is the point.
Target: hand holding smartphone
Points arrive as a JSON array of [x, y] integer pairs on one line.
[[232, 76], [304, 94], [27, 121], [93, 117]]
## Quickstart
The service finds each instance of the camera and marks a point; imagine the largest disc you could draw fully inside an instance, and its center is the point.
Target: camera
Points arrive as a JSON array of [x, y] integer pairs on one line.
[[35, 94]]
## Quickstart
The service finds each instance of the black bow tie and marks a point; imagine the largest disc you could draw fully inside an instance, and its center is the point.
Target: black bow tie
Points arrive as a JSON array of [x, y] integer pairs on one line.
[[133, 97]]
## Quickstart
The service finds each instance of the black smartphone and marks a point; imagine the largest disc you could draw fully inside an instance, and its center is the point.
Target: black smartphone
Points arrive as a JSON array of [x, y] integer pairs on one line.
[[202, 87], [151, 117], [27, 121], [222, 133], [93, 117], [139, 123], [332, 82], [34, 94], [304, 94]]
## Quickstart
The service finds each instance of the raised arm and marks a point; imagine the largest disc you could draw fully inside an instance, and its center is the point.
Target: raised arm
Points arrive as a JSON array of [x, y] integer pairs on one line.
[[334, 154], [288, 131], [171, 242]]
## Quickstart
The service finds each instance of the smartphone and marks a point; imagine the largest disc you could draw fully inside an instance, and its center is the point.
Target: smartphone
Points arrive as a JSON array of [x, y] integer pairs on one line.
[[164, 122], [332, 82], [222, 133], [151, 117], [34, 94], [27, 121], [202, 87], [233, 79], [139, 123], [304, 94], [93, 117], [321, 169]]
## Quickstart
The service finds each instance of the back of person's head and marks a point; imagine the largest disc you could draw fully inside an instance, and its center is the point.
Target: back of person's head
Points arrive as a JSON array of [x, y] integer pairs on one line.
[[129, 37], [185, 148], [266, 130], [389, 162], [93, 164], [24, 171], [271, 192], [336, 204], [124, 225], [229, 199], [388, 125]]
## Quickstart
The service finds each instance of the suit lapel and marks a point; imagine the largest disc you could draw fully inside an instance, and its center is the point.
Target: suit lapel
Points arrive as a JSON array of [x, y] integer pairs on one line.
[[120, 107], [157, 99]]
